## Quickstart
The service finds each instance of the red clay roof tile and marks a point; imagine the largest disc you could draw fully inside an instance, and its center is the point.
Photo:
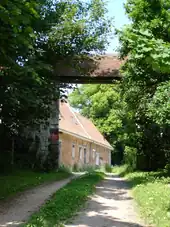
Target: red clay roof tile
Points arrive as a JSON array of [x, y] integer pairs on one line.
[[95, 66], [76, 124]]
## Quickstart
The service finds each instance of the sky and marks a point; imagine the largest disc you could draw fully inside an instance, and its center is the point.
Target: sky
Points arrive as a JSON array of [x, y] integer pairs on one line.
[[116, 10]]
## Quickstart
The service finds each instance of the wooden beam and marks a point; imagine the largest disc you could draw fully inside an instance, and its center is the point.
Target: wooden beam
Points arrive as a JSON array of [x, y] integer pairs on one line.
[[88, 79]]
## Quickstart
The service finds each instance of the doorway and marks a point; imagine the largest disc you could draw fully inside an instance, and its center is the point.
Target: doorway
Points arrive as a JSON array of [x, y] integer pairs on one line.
[[97, 159], [85, 155]]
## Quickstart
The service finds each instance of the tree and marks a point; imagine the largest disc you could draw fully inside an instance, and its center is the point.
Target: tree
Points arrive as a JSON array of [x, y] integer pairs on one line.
[[146, 77], [144, 89], [39, 34], [42, 34], [104, 106]]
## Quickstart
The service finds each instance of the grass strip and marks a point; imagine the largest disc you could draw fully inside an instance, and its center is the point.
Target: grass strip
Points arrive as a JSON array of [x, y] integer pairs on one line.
[[21, 180], [65, 202], [152, 193]]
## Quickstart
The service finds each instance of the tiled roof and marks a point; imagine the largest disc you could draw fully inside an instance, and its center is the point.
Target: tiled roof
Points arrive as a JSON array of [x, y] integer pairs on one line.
[[68, 121], [76, 124], [92, 131], [94, 67], [107, 65]]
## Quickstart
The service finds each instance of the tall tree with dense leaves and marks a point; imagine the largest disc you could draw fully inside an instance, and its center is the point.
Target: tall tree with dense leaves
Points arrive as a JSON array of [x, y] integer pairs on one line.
[[144, 90], [38, 35], [34, 36], [104, 106], [146, 42]]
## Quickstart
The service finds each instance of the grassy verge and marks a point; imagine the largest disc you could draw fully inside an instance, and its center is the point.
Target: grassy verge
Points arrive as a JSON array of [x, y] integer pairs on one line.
[[65, 202], [152, 193], [22, 180]]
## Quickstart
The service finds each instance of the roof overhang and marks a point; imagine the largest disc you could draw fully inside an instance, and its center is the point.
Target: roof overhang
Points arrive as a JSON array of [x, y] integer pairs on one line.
[[84, 138], [103, 69]]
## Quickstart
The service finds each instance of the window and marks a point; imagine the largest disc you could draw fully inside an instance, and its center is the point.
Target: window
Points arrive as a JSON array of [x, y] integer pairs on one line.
[[80, 153], [97, 159], [85, 155], [101, 162], [73, 151]]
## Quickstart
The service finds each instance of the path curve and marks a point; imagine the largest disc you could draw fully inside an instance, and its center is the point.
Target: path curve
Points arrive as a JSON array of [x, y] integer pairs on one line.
[[17, 210], [111, 206]]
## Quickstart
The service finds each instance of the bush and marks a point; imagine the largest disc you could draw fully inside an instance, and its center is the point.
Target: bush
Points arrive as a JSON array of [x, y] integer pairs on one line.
[[89, 168], [167, 168], [83, 168], [130, 157], [108, 168], [64, 168], [76, 168]]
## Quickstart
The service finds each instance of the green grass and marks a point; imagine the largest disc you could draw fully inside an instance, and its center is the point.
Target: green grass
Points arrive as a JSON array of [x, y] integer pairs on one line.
[[21, 180], [152, 193], [65, 202]]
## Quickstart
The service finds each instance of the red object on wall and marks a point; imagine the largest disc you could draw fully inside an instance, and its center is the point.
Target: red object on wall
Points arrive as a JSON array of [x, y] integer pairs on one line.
[[54, 137]]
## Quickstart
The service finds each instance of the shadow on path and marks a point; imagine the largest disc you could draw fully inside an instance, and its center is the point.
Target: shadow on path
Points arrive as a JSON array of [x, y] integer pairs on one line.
[[111, 206]]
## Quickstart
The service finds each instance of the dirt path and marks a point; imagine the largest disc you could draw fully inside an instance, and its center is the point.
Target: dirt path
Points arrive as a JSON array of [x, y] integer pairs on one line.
[[15, 211], [111, 206]]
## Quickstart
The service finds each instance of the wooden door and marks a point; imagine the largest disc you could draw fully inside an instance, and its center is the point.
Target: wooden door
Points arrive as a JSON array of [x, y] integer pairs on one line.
[[85, 155]]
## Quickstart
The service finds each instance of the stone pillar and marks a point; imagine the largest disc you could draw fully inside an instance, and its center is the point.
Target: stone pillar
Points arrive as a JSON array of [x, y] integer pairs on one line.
[[54, 133]]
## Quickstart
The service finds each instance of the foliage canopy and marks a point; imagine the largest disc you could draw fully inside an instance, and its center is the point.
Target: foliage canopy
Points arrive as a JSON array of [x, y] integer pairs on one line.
[[143, 96], [34, 35]]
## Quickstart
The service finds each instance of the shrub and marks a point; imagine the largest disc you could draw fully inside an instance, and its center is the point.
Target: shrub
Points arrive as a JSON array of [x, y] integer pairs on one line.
[[130, 157], [89, 168], [76, 167], [64, 168], [108, 168], [83, 168], [167, 168]]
